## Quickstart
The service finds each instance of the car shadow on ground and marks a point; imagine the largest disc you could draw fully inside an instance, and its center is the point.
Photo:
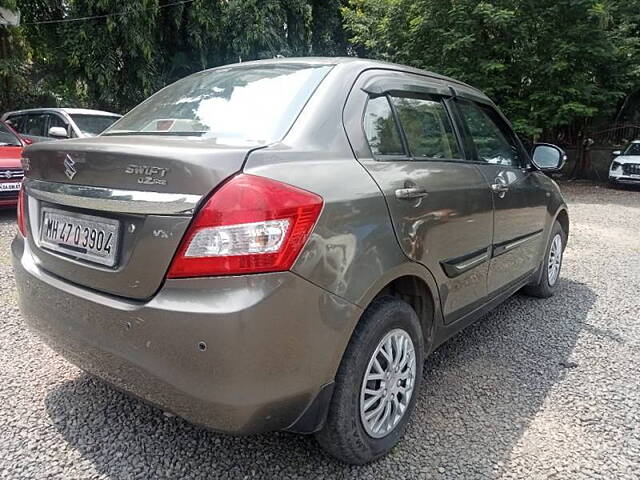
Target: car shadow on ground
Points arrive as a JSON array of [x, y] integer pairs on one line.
[[7, 214], [481, 391]]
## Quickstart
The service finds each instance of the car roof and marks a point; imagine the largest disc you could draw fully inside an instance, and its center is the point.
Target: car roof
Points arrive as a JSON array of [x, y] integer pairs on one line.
[[364, 63], [69, 111]]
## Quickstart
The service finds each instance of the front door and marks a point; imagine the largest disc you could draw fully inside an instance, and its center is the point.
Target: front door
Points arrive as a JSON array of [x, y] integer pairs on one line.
[[519, 201], [441, 205]]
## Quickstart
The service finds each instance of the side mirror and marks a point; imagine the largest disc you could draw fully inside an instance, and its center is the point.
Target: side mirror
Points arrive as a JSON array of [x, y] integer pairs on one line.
[[58, 132], [27, 141], [616, 153], [548, 158]]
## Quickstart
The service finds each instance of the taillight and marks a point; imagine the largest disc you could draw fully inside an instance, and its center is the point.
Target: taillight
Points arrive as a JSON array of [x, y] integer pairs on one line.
[[251, 224], [20, 214]]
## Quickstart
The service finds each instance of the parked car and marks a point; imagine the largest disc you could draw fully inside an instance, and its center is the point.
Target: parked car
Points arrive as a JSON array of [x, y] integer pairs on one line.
[[278, 245], [41, 124], [625, 167], [11, 173]]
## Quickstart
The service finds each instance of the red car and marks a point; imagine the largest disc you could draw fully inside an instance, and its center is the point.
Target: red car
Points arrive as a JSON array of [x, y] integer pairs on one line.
[[11, 172]]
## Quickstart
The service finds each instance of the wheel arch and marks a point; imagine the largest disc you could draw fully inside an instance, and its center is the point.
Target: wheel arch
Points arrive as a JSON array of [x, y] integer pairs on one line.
[[414, 291], [411, 283], [563, 219], [415, 285]]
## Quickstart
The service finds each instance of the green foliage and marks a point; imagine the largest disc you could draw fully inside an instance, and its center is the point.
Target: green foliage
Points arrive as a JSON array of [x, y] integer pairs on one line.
[[327, 35], [116, 62], [548, 63]]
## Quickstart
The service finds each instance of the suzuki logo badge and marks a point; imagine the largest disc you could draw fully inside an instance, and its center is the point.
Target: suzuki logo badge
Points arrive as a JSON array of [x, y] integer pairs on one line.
[[69, 167], [7, 174]]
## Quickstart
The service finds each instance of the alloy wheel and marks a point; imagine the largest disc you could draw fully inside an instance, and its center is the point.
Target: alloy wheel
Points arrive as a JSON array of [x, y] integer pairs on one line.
[[388, 384], [555, 259]]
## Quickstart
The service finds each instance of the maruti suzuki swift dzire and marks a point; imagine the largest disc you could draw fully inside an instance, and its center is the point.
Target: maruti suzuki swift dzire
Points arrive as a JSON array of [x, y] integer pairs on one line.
[[278, 245]]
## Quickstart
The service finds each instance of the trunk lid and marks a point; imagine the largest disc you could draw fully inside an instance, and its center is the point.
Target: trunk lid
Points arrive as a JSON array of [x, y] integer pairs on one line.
[[149, 186]]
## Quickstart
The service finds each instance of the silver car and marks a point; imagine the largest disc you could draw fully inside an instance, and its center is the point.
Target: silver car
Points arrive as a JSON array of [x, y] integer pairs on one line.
[[278, 245], [42, 124]]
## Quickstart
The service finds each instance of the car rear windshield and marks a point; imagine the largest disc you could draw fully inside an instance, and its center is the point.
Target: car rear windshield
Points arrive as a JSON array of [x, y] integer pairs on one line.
[[633, 149], [7, 138], [93, 124], [241, 105]]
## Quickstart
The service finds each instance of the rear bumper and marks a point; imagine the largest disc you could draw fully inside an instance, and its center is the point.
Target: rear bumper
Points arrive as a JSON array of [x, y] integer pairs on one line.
[[236, 354]]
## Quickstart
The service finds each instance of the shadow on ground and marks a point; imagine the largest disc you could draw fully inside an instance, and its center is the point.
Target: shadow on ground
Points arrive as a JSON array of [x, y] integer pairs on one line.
[[481, 391]]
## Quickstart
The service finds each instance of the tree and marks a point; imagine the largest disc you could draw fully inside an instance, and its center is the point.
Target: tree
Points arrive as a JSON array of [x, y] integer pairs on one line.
[[327, 34], [548, 63], [132, 49]]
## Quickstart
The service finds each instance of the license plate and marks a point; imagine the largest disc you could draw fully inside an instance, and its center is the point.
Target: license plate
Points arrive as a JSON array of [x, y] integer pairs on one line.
[[9, 186], [82, 236]]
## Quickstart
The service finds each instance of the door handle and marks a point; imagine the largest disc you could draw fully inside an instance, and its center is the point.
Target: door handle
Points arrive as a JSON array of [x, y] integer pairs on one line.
[[500, 188], [411, 193]]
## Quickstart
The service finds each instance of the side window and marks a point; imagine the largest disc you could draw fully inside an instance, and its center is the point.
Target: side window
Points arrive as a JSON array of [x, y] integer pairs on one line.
[[17, 122], [381, 129], [494, 141], [35, 125], [427, 127]]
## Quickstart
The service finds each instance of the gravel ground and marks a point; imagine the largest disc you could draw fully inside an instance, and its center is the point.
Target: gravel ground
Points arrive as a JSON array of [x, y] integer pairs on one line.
[[537, 389]]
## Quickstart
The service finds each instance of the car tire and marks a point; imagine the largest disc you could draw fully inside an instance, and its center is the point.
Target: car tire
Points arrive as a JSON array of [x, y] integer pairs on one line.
[[345, 435], [551, 265]]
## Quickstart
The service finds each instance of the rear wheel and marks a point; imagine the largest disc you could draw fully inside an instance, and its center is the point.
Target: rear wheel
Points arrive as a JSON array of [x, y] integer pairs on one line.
[[376, 385], [551, 266]]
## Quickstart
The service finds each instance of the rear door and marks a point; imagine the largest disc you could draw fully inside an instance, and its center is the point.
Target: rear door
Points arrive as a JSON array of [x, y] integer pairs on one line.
[[440, 204], [519, 200]]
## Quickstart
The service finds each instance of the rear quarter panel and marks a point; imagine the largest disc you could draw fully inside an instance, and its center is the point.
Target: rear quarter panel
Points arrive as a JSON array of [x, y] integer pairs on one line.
[[353, 251]]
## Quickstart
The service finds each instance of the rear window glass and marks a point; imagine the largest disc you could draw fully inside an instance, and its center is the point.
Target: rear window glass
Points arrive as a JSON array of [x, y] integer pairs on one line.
[[237, 105]]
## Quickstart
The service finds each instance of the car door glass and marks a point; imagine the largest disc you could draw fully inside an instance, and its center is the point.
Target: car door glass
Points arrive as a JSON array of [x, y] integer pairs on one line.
[[35, 125], [17, 122], [494, 144], [381, 128], [427, 127]]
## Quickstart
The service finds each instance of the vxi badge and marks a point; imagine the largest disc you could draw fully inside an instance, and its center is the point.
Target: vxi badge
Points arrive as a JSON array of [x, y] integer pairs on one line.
[[148, 174]]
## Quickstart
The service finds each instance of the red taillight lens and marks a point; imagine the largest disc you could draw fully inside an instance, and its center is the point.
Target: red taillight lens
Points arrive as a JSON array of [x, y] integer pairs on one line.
[[251, 224], [20, 215]]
